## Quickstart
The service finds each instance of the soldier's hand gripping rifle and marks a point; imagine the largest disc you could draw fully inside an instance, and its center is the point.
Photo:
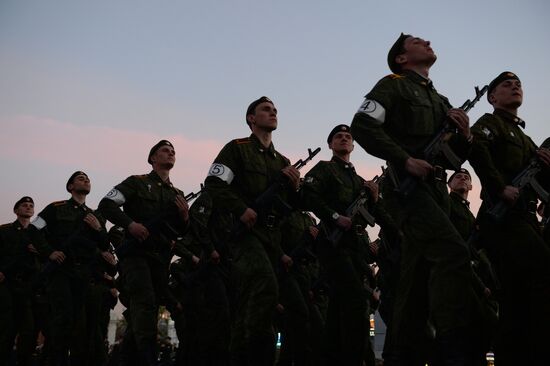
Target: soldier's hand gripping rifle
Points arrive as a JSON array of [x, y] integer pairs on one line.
[[161, 225], [75, 238], [439, 147], [358, 212], [270, 197], [526, 178]]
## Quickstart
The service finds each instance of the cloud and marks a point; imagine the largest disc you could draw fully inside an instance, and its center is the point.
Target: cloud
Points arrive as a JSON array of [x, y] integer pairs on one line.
[[99, 148]]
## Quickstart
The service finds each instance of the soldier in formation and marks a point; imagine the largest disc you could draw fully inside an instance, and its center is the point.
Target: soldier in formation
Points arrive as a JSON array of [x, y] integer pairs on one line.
[[254, 262]]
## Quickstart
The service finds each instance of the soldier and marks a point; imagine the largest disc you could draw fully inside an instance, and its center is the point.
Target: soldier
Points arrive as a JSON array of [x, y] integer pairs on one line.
[[485, 317], [241, 172], [396, 121], [199, 283], [460, 184], [329, 188], [515, 244], [153, 209], [75, 231], [299, 232], [101, 298], [20, 244]]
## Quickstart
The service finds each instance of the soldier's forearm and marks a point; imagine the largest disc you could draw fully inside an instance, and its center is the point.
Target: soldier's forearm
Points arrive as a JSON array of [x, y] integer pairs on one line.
[[113, 213], [376, 142]]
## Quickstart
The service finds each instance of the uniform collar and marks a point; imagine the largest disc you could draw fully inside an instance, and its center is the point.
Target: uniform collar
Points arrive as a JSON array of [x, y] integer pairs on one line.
[[75, 204], [17, 225], [342, 163], [459, 198], [256, 141], [419, 79], [154, 176], [509, 117]]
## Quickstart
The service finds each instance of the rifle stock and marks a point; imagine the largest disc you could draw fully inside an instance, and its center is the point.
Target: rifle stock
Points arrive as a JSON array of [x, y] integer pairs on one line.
[[160, 225], [439, 147], [270, 196], [526, 178], [357, 211]]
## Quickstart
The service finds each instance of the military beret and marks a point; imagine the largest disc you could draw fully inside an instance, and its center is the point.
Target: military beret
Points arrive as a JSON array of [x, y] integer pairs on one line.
[[506, 75], [461, 170], [22, 200], [154, 149], [335, 130], [73, 176], [396, 50], [254, 104]]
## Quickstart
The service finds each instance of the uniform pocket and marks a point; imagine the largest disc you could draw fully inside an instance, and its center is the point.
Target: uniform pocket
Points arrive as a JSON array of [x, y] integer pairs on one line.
[[418, 117], [512, 149], [148, 201], [255, 178]]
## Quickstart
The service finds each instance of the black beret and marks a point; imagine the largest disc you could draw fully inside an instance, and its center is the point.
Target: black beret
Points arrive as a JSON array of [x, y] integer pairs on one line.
[[335, 130], [22, 200], [254, 104], [396, 50], [154, 149], [73, 176], [506, 75], [461, 170]]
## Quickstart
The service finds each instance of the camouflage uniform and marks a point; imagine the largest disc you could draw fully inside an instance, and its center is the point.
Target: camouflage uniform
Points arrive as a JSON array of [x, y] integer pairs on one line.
[[241, 172], [515, 245], [67, 285], [294, 287], [146, 199], [329, 188], [484, 318], [19, 266], [203, 326], [398, 118], [99, 302]]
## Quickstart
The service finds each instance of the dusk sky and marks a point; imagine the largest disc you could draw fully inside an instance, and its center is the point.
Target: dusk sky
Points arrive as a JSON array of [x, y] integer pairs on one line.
[[92, 85]]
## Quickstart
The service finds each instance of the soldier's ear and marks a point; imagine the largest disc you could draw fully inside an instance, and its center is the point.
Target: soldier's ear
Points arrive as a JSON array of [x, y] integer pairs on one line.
[[492, 98], [401, 59], [250, 119]]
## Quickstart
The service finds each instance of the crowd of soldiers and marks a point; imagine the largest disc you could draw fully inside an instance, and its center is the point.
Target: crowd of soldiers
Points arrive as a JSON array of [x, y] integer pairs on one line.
[[253, 261]]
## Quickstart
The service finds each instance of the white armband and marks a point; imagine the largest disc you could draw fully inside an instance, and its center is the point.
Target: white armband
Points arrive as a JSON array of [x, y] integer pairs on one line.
[[39, 223], [221, 171], [373, 109], [116, 196]]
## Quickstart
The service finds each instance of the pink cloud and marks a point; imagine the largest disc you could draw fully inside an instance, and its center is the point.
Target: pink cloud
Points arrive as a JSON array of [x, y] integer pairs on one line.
[[119, 152], [103, 149]]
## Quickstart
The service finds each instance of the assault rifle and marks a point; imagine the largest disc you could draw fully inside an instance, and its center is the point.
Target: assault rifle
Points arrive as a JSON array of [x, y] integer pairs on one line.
[[77, 237], [439, 146], [526, 178], [162, 225], [270, 197], [191, 196], [358, 213]]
